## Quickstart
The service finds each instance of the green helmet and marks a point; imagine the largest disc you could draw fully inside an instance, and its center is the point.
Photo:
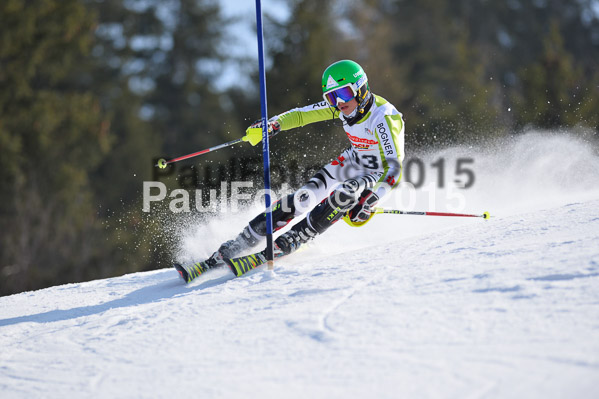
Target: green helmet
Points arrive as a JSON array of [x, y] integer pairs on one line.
[[344, 80]]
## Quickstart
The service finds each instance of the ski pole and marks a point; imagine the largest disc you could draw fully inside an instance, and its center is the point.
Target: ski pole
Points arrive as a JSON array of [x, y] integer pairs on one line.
[[347, 220], [163, 162], [485, 215], [253, 136]]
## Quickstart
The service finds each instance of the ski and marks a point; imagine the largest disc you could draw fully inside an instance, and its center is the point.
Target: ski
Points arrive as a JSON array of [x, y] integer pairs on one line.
[[244, 264], [239, 266], [191, 271]]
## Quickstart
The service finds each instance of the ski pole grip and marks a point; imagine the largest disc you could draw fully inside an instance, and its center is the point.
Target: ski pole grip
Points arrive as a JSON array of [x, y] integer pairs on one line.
[[253, 135]]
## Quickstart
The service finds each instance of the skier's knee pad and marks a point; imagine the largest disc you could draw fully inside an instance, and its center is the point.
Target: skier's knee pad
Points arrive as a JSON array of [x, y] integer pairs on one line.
[[305, 199], [333, 208], [346, 195], [283, 212], [324, 215]]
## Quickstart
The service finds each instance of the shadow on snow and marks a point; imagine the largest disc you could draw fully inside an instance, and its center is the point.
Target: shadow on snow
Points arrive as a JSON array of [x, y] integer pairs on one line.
[[167, 287]]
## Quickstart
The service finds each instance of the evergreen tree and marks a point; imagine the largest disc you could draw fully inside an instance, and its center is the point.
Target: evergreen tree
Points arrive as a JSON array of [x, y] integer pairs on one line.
[[554, 92], [512, 40], [55, 133], [156, 61], [184, 104], [424, 61]]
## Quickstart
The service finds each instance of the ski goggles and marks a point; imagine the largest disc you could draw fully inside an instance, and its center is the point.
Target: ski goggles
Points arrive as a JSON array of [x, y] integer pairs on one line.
[[343, 94]]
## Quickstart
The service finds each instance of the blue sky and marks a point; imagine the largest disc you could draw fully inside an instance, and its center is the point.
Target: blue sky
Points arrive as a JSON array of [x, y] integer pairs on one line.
[[241, 31]]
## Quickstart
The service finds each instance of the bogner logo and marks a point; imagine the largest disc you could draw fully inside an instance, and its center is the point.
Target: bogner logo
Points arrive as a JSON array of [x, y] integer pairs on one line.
[[385, 139]]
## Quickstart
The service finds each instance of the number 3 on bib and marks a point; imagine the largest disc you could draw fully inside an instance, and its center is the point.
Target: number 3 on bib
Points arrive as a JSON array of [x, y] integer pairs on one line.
[[369, 161]]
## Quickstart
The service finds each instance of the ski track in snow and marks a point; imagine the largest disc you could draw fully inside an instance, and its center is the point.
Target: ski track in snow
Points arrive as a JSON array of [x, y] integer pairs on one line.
[[418, 307]]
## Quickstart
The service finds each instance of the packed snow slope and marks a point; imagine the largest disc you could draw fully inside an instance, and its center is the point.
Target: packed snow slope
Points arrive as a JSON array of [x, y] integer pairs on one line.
[[405, 307]]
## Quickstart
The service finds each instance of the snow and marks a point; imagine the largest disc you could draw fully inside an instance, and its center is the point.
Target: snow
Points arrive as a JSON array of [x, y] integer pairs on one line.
[[407, 306]]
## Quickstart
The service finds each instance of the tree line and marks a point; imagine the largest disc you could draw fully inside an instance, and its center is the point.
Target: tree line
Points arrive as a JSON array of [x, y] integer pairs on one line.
[[93, 91]]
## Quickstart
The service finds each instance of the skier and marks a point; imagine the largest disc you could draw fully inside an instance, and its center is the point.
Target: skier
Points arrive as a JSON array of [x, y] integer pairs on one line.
[[350, 185]]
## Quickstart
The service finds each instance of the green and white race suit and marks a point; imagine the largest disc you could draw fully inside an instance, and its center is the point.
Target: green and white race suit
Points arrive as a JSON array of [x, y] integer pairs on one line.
[[377, 148]]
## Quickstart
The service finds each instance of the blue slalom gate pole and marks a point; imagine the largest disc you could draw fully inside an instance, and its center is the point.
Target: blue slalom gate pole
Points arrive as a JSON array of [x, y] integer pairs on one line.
[[265, 148]]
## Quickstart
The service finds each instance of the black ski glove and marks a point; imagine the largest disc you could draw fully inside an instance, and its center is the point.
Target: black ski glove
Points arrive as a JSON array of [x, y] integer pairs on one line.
[[363, 209], [273, 126]]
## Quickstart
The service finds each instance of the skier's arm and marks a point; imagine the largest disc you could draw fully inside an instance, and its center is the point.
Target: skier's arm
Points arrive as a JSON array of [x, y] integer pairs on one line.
[[296, 117], [303, 116], [390, 132]]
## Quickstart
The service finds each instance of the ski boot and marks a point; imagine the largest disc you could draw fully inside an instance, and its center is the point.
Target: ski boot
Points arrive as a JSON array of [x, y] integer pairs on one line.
[[194, 270], [245, 240], [290, 241]]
